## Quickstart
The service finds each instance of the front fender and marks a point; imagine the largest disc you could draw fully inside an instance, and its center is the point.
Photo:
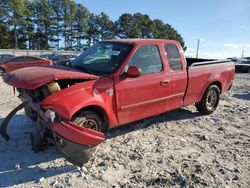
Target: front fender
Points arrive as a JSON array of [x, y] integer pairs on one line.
[[92, 93]]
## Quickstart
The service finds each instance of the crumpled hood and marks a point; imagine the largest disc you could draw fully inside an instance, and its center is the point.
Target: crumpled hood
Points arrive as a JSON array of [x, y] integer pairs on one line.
[[34, 77]]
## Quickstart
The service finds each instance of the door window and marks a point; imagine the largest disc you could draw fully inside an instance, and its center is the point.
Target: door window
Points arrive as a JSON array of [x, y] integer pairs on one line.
[[148, 59], [174, 59]]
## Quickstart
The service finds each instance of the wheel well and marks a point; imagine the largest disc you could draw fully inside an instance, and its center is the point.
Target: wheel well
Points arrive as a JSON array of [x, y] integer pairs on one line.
[[217, 83], [100, 111]]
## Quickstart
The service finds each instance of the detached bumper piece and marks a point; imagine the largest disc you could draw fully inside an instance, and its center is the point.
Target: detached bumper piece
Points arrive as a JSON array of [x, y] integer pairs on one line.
[[76, 143], [3, 126]]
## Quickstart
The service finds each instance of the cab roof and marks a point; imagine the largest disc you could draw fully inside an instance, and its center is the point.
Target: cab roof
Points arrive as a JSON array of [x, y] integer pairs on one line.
[[141, 41]]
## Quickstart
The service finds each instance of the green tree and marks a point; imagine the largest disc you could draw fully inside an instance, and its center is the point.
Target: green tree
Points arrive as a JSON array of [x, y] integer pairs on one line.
[[57, 23], [42, 24], [80, 25], [15, 11], [126, 27], [92, 32], [100, 28], [144, 24], [166, 31], [68, 12], [43, 19], [6, 39], [105, 26]]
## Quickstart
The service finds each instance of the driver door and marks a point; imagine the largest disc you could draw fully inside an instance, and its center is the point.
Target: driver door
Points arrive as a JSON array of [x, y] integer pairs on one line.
[[145, 95]]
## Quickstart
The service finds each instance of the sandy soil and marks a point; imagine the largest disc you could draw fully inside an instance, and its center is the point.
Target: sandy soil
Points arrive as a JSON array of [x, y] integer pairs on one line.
[[180, 148]]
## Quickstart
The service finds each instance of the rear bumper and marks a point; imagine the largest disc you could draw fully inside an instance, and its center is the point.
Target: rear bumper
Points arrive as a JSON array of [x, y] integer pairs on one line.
[[76, 143]]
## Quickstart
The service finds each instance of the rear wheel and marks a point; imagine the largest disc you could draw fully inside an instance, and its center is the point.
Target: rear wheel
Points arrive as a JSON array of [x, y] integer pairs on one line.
[[1, 72], [209, 101]]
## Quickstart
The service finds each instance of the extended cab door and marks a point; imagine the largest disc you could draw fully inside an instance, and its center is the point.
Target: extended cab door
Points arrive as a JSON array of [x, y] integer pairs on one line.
[[153, 92], [176, 73]]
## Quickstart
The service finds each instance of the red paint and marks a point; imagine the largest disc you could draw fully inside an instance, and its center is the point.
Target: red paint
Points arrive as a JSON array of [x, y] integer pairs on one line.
[[122, 99], [77, 134], [92, 93], [34, 77], [201, 77], [22, 62], [133, 72]]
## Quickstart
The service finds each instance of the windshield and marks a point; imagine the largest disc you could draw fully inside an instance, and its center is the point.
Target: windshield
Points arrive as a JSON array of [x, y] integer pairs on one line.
[[104, 58]]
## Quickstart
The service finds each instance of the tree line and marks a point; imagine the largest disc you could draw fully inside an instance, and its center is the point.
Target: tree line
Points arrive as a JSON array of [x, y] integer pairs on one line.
[[64, 24]]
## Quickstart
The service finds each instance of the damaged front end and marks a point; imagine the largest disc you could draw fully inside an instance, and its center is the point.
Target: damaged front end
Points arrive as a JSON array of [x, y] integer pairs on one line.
[[76, 143]]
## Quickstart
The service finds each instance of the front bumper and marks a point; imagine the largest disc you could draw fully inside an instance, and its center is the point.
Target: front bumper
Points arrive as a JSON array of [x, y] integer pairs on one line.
[[76, 143], [78, 134]]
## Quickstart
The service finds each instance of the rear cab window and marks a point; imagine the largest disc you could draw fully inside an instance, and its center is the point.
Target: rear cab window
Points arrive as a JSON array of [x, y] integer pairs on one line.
[[147, 58], [173, 57]]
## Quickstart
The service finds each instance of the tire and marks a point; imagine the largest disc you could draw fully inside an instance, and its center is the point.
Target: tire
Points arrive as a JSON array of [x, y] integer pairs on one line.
[[1, 72], [209, 101], [249, 70], [97, 125], [89, 119]]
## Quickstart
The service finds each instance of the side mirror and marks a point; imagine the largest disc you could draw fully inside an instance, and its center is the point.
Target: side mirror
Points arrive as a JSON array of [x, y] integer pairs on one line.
[[133, 72]]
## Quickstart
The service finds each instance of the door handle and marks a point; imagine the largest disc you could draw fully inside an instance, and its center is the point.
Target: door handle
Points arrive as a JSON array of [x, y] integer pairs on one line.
[[164, 82]]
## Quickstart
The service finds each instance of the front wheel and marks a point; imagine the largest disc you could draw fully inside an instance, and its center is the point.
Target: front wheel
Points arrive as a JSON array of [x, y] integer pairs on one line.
[[209, 101], [89, 119], [76, 153]]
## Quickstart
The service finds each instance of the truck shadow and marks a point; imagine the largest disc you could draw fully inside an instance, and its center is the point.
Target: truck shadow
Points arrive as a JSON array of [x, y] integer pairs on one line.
[[48, 163], [175, 115], [19, 163]]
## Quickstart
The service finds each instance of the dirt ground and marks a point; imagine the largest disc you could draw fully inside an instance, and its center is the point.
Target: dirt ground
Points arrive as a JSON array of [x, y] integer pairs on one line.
[[181, 148]]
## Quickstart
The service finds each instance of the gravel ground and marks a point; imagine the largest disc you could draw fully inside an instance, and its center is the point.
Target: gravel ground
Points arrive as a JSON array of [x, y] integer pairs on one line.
[[181, 148]]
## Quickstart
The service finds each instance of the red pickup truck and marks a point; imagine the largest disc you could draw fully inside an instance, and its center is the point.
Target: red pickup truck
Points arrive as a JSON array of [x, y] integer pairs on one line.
[[113, 83]]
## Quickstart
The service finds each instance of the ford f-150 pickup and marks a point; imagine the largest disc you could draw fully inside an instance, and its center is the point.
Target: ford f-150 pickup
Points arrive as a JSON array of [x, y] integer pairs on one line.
[[113, 83]]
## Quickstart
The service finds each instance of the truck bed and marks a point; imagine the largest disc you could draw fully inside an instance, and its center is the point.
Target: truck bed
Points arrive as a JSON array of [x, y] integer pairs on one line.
[[192, 62], [203, 72]]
